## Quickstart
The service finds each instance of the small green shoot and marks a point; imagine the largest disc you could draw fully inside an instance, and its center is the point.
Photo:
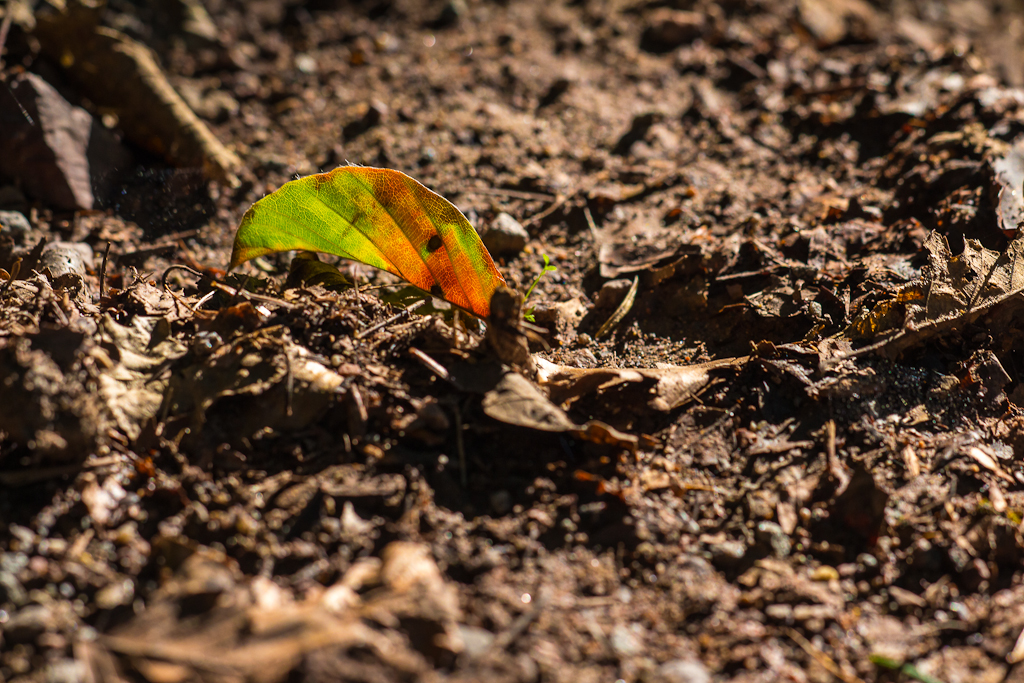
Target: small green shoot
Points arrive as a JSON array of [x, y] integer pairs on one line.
[[548, 268], [908, 670]]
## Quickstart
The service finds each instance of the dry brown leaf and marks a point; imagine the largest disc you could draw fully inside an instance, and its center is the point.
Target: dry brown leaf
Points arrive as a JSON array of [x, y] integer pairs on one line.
[[673, 386]]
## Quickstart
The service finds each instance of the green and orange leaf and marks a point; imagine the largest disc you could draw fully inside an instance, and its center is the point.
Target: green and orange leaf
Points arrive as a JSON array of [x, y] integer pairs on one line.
[[379, 217]]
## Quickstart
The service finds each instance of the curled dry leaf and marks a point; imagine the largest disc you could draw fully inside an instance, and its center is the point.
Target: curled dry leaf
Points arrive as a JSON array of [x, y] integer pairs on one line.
[[672, 386], [517, 401]]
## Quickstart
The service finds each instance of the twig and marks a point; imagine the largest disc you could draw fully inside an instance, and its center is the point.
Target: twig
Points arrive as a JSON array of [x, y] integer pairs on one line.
[[5, 28], [239, 293], [620, 312], [429, 362], [289, 384], [395, 318], [821, 658], [515, 194], [537, 217], [103, 268], [910, 335], [521, 623], [590, 221], [177, 266]]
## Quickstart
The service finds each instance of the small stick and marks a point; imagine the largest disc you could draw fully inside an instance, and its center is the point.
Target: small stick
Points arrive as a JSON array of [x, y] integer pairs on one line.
[[395, 318], [5, 27], [557, 204], [520, 623], [821, 658], [103, 269], [590, 220], [176, 266], [429, 362], [515, 194], [620, 312]]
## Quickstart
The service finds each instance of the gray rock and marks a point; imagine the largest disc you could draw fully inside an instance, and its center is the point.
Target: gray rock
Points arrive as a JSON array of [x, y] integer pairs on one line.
[[681, 671], [15, 224], [505, 235], [58, 153]]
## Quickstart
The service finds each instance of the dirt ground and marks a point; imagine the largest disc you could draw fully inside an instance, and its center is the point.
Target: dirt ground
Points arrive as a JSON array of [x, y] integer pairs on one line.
[[793, 454]]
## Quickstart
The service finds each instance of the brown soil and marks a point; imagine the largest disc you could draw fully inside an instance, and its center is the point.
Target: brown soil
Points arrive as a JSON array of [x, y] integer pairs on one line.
[[206, 484]]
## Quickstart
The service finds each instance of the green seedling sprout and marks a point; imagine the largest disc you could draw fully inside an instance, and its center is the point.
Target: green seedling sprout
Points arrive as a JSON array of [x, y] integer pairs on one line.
[[548, 268]]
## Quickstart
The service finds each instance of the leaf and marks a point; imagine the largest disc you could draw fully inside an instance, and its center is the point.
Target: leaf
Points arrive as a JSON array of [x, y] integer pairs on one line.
[[379, 217], [308, 270]]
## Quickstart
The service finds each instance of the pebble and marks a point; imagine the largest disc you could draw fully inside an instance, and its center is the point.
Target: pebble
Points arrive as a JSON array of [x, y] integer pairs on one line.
[[115, 594], [824, 573], [612, 293], [15, 224], [773, 535], [728, 553], [476, 640], [626, 640], [505, 235], [681, 671], [66, 671]]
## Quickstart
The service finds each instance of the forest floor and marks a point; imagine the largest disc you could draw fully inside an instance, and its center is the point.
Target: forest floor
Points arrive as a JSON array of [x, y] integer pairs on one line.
[[795, 454]]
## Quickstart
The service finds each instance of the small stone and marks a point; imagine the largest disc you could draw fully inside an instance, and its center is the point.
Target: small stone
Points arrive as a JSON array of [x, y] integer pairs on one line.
[[772, 534], [15, 224], [824, 573], [66, 671], [627, 641], [115, 594], [612, 293], [728, 553], [505, 235], [475, 640], [681, 671], [376, 112], [306, 63], [690, 525]]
